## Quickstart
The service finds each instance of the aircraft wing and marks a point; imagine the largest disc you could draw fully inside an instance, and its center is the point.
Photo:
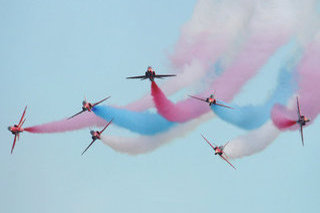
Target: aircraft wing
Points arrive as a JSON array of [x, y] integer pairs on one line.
[[88, 146], [95, 104], [14, 143], [135, 77], [106, 126], [301, 132], [200, 99], [227, 161], [298, 107], [22, 122], [208, 142], [164, 76], [75, 115], [24, 112], [227, 157], [224, 146], [223, 105]]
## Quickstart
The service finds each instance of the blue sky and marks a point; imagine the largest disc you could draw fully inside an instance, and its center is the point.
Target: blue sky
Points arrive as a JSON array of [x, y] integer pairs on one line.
[[55, 52]]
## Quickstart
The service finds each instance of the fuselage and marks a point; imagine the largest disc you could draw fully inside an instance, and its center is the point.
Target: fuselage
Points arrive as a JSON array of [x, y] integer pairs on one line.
[[218, 150], [303, 120], [95, 135], [86, 106], [15, 129], [211, 100], [150, 74]]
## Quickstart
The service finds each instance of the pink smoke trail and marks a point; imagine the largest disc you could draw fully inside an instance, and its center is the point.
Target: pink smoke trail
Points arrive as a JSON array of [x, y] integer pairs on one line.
[[246, 65], [309, 83], [253, 56], [86, 119], [180, 112], [282, 118], [309, 75]]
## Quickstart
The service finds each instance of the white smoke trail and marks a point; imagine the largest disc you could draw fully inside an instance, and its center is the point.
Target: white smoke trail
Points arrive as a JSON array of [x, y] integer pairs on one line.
[[145, 144], [256, 140], [253, 142]]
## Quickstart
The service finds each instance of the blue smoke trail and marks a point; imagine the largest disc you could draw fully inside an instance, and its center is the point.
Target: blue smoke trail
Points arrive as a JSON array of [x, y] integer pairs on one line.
[[145, 123], [251, 117]]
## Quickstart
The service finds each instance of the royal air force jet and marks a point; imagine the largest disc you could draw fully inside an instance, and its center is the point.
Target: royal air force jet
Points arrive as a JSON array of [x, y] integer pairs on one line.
[[211, 100], [302, 121], [16, 129], [219, 150], [150, 74]]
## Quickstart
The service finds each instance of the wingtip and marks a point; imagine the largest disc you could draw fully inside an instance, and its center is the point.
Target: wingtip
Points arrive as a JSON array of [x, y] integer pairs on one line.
[[84, 151], [103, 100], [70, 117]]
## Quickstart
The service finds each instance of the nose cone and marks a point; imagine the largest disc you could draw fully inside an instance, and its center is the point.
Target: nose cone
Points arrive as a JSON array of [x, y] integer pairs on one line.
[[9, 128], [84, 103], [92, 132]]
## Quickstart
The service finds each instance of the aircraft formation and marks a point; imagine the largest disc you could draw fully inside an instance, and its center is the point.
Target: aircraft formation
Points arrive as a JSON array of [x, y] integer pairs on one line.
[[150, 74]]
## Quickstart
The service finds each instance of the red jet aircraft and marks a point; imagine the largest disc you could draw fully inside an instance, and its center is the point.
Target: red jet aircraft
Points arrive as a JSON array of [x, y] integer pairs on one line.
[[211, 100], [150, 74], [86, 106], [219, 151], [96, 135], [302, 121], [17, 129]]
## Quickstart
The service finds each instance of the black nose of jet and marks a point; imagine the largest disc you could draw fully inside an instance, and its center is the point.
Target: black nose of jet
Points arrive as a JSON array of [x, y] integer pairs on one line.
[[92, 132]]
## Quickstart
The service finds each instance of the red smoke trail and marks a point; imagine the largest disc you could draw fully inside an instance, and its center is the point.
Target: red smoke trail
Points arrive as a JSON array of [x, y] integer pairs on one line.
[[281, 118], [180, 112], [86, 119]]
